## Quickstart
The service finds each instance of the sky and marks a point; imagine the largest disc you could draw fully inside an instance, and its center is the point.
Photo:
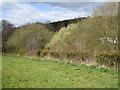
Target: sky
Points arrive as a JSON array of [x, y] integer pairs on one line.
[[20, 13]]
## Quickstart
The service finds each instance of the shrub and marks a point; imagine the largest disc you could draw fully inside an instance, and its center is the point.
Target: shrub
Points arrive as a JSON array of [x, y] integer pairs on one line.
[[77, 55], [54, 54], [44, 52], [108, 58], [39, 52], [71, 55]]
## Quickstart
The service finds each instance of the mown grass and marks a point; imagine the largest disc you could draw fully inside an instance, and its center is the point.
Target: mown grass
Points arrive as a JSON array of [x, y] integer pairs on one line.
[[21, 72]]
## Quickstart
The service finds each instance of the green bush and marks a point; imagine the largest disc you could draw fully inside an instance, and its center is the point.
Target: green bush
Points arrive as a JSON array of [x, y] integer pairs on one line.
[[55, 54], [39, 52], [44, 52], [108, 58], [77, 55], [72, 55]]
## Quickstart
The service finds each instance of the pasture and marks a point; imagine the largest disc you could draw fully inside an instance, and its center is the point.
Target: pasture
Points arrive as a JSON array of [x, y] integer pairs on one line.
[[18, 72]]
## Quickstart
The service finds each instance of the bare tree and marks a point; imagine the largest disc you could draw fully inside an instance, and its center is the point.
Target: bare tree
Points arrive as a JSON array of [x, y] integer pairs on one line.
[[106, 23], [7, 29]]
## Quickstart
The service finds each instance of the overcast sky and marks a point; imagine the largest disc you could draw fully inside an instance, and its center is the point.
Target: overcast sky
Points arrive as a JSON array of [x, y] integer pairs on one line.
[[20, 13]]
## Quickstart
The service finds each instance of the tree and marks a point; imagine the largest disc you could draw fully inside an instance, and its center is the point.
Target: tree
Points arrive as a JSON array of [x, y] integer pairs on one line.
[[106, 23], [29, 39], [7, 29]]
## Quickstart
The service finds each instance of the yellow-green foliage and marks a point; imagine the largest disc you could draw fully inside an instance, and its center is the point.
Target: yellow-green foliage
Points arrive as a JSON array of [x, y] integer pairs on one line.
[[108, 58], [72, 42], [28, 38], [92, 35]]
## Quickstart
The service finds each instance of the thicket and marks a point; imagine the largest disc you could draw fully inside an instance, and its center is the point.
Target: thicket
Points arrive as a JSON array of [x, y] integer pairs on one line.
[[27, 40], [93, 40], [90, 40]]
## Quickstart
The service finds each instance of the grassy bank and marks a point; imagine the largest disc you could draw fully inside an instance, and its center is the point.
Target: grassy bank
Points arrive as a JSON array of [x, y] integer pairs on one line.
[[21, 72]]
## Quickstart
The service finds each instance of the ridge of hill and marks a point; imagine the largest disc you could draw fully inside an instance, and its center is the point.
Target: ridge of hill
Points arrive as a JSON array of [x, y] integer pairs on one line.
[[64, 23]]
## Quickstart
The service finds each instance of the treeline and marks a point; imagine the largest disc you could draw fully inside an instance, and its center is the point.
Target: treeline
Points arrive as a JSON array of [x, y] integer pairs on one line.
[[30, 38], [91, 40], [6, 29], [59, 24]]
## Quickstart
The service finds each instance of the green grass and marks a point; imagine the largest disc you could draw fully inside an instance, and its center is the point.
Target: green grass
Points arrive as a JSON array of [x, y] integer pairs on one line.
[[21, 72]]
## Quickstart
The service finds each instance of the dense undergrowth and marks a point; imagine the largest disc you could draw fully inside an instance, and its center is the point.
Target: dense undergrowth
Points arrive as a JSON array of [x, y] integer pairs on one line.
[[91, 40]]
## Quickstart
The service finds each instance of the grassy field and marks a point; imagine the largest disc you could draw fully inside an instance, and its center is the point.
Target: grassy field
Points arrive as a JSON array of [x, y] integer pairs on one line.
[[27, 73]]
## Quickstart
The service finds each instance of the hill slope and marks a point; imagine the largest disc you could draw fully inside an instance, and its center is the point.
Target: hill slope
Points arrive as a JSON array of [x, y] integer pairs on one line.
[[27, 40], [59, 24], [94, 40], [31, 38]]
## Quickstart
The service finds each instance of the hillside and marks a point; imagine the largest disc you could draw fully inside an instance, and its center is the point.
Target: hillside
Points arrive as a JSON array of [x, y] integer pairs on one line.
[[27, 40], [33, 37], [75, 53], [59, 24], [91, 41]]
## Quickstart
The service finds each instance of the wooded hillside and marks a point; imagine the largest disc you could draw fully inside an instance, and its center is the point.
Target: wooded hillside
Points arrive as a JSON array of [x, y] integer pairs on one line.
[[90, 40]]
